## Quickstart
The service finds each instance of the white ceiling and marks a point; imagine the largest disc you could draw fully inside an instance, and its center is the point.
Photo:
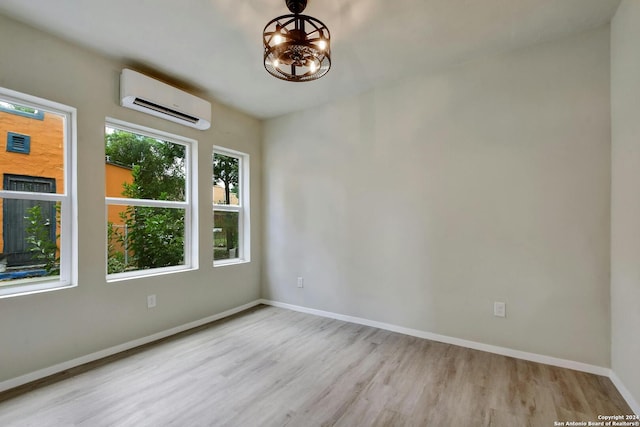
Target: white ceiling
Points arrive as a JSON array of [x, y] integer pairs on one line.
[[215, 45]]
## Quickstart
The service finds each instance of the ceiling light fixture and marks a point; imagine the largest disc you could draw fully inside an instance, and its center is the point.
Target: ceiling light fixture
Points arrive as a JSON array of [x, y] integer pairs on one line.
[[297, 48]]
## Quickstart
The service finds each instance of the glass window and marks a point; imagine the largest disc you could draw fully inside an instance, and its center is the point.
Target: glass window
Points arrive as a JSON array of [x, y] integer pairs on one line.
[[231, 241], [37, 236], [148, 201], [21, 110]]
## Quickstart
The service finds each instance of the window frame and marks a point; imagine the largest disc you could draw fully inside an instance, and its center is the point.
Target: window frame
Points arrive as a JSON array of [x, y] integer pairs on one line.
[[67, 198], [190, 204], [242, 208]]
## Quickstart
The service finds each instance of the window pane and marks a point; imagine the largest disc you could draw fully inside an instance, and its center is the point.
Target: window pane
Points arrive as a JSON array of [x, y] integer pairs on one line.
[[225, 235], [140, 238], [30, 241], [120, 256], [141, 167], [226, 190], [33, 153]]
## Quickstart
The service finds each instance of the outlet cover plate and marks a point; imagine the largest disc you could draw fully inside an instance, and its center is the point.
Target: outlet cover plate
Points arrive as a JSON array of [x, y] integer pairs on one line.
[[499, 309]]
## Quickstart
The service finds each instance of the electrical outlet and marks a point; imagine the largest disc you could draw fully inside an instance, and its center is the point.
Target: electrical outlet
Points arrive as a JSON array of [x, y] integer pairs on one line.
[[499, 309], [151, 301], [300, 282]]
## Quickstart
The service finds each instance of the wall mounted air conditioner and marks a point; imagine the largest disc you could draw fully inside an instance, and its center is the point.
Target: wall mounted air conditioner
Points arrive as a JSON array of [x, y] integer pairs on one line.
[[154, 97]]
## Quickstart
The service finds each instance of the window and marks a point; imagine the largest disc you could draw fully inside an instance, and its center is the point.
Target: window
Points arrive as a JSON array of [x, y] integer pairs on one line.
[[37, 199], [231, 242], [21, 110], [151, 211]]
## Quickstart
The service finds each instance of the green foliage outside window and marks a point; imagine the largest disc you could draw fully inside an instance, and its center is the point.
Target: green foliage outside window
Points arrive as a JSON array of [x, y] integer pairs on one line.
[[40, 244], [154, 236], [226, 171]]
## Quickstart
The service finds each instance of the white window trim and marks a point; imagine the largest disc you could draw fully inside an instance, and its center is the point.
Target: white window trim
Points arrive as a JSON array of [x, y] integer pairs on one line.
[[243, 208], [69, 237], [190, 204]]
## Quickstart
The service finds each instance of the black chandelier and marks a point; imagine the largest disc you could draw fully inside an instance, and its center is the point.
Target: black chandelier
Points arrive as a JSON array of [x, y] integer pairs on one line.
[[297, 48]]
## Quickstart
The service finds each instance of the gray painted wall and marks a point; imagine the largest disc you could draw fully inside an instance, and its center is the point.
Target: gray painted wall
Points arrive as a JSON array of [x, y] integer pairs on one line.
[[41, 330], [625, 197], [421, 203]]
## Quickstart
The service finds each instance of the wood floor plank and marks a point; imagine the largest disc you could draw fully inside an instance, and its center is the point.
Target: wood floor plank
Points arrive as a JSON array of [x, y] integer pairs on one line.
[[275, 367]]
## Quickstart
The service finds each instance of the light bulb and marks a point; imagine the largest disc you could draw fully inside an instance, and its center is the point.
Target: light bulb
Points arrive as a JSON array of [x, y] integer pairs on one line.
[[277, 39], [322, 44], [275, 63], [313, 67]]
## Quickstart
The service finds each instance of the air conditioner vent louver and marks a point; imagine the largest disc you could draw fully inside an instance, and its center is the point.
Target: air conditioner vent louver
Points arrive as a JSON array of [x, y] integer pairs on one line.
[[154, 97], [165, 110]]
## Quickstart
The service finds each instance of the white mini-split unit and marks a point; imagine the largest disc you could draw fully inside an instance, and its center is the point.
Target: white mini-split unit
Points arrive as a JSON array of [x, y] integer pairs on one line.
[[142, 93]]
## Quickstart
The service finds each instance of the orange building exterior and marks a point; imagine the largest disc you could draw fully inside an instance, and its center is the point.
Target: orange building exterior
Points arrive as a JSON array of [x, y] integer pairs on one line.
[[37, 165], [218, 196], [46, 154], [43, 162], [115, 178]]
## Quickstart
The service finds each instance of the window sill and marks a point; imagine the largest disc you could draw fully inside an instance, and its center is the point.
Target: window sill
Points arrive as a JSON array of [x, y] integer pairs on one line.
[[119, 277], [30, 286], [234, 261]]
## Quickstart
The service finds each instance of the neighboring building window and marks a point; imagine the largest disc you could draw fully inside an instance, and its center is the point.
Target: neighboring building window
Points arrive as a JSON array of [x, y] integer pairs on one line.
[[150, 188], [37, 236], [18, 143], [21, 110], [231, 236]]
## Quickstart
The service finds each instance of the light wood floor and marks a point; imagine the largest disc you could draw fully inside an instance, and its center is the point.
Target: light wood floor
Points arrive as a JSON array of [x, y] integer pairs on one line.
[[274, 367]]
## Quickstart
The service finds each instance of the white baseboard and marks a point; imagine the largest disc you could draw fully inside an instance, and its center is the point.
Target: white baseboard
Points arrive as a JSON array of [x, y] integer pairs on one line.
[[42, 373], [533, 357], [624, 391]]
